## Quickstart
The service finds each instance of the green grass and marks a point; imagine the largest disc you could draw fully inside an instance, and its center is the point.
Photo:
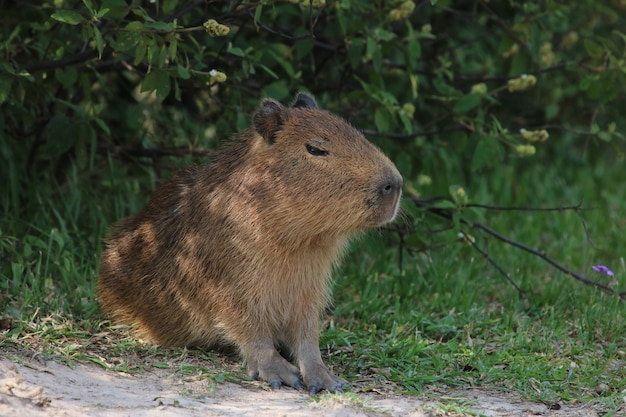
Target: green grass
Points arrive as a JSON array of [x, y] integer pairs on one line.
[[445, 316]]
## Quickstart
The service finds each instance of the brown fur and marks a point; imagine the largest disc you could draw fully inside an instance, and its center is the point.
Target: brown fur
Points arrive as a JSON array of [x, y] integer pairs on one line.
[[240, 252]]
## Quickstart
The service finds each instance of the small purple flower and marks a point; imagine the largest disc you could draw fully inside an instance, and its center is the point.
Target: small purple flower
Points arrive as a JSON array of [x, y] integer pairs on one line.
[[603, 269]]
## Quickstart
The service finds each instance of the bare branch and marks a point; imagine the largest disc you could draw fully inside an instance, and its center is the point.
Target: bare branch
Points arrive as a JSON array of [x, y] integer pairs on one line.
[[60, 63], [280, 33], [447, 214], [118, 151], [495, 265], [403, 136]]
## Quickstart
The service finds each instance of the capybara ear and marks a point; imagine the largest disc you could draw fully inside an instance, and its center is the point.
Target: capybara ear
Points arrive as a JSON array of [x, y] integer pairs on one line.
[[269, 119], [303, 100]]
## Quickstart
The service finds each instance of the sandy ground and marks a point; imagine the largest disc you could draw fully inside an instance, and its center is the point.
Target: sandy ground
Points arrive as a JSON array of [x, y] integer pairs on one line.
[[37, 389]]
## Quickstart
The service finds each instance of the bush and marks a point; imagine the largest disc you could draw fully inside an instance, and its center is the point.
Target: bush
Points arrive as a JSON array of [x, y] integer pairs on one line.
[[95, 96]]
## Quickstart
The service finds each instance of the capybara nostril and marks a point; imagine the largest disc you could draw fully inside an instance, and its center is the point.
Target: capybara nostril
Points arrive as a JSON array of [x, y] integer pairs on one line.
[[391, 186]]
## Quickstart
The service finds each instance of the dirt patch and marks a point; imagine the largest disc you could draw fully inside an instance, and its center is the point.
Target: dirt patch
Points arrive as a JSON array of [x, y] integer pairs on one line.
[[33, 389]]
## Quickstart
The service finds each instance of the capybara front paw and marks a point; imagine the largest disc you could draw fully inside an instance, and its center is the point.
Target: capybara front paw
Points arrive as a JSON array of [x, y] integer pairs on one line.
[[320, 378], [277, 373]]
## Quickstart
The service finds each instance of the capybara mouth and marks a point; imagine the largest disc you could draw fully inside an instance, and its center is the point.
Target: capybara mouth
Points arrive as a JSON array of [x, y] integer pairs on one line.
[[391, 209]]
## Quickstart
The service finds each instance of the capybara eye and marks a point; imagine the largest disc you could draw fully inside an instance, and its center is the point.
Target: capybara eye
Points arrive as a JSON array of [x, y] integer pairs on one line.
[[316, 151]]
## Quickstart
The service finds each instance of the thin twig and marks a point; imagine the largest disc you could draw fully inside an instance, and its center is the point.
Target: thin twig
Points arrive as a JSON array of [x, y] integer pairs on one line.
[[495, 265], [446, 213], [118, 151], [280, 33], [577, 207], [402, 136], [543, 256], [60, 63], [424, 202]]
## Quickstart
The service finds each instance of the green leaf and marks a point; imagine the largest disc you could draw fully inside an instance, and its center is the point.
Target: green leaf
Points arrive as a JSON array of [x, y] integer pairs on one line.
[[384, 35], [182, 72], [60, 137], [66, 76], [415, 51], [414, 84], [99, 42], [161, 365], [173, 49], [374, 53], [355, 52], [458, 194], [140, 53], [487, 152], [466, 103], [593, 49], [406, 122], [135, 26], [162, 57], [343, 23], [371, 46], [161, 26], [84, 135], [381, 119], [5, 88], [102, 125], [237, 52], [269, 71], [595, 128], [177, 92], [612, 126], [89, 5], [278, 90], [257, 16], [444, 204], [102, 12], [68, 16], [158, 81], [304, 48], [127, 41]]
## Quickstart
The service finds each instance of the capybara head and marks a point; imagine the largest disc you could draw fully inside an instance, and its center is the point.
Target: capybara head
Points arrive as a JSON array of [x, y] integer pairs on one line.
[[330, 179]]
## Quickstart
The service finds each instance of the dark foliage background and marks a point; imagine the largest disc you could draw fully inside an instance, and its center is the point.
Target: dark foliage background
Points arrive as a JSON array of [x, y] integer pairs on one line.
[[99, 100]]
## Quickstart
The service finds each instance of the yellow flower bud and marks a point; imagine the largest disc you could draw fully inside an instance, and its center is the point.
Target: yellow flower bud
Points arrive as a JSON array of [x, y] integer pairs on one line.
[[547, 56], [217, 76], [535, 135], [522, 83], [214, 28], [465, 238], [403, 11], [480, 88], [514, 49], [569, 40], [409, 109], [525, 150], [424, 180]]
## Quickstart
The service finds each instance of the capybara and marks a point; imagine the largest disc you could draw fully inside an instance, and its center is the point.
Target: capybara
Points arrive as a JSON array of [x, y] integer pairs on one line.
[[240, 252]]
